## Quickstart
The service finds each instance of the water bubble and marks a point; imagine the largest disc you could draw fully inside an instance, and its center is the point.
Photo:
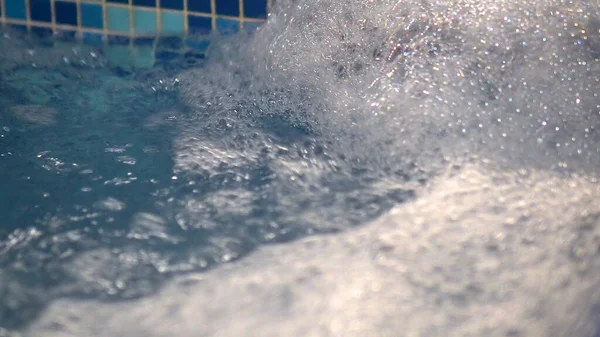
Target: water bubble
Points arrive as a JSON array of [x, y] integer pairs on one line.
[[110, 204]]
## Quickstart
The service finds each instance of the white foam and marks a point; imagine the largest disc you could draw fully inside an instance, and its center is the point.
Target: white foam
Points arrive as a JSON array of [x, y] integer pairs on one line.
[[385, 80], [480, 253], [496, 99]]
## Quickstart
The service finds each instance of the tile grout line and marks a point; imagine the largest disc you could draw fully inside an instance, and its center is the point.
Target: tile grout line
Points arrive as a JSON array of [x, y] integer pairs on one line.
[[53, 15], [3, 9], [158, 30], [79, 23], [185, 17], [131, 23], [104, 22], [213, 15], [158, 17], [242, 13], [28, 15]]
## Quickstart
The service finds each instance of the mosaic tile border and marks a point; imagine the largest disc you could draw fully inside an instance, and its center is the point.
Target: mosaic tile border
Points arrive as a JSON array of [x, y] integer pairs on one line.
[[113, 19]]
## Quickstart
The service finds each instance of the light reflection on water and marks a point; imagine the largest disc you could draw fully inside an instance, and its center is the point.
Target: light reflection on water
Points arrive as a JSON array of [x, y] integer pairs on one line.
[[476, 123]]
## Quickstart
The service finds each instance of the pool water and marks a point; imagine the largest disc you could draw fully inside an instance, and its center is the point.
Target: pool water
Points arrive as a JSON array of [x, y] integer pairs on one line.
[[101, 198], [351, 169]]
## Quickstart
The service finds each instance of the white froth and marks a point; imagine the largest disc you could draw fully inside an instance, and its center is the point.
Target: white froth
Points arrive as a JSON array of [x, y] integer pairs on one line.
[[504, 246], [386, 80], [480, 253]]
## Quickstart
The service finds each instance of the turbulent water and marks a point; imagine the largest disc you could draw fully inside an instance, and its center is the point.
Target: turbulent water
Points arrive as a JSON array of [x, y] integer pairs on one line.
[[421, 168]]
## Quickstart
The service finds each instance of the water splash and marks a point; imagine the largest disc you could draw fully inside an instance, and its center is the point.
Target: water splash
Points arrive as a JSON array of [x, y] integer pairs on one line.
[[483, 113]]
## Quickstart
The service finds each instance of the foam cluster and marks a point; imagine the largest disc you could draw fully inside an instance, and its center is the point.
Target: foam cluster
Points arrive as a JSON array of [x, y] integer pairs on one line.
[[476, 121], [397, 78]]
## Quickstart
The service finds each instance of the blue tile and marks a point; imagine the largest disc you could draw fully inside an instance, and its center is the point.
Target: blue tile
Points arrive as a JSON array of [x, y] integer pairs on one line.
[[226, 26], [148, 3], [18, 28], [143, 57], [66, 13], [251, 27], [66, 35], [193, 58], [117, 19], [91, 16], [166, 56], [255, 8], [199, 24], [43, 33], [119, 1], [15, 9], [172, 23], [118, 40], [199, 45], [170, 42], [143, 41], [202, 6], [40, 10], [228, 7], [94, 39], [172, 4], [144, 21]]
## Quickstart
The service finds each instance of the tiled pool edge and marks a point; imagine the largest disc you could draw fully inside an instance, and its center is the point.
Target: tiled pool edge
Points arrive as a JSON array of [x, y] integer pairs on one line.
[[110, 19], [139, 25]]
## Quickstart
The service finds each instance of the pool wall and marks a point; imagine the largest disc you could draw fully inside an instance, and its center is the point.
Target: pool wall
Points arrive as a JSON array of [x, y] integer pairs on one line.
[[125, 20], [141, 33]]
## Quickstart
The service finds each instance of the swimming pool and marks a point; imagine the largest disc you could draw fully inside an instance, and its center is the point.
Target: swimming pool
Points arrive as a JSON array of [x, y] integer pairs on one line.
[[379, 168], [101, 166]]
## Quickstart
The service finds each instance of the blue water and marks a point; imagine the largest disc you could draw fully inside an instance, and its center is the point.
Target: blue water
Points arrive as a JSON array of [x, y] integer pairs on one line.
[[352, 169], [87, 163]]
